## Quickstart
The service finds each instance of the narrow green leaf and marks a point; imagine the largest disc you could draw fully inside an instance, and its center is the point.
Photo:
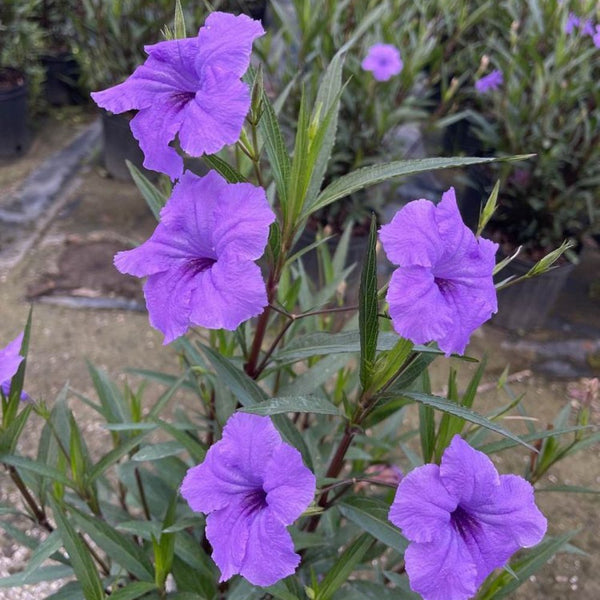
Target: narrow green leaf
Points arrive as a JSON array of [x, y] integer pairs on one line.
[[570, 489], [21, 462], [152, 195], [81, 559], [427, 431], [223, 168], [468, 415], [158, 451], [133, 591], [302, 404], [367, 176], [279, 158], [49, 573], [489, 209], [120, 548], [179, 22], [371, 515], [368, 321], [529, 437], [344, 566]]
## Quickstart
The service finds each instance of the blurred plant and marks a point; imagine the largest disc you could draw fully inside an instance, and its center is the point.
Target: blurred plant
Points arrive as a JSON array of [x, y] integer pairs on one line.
[[548, 104], [21, 41]]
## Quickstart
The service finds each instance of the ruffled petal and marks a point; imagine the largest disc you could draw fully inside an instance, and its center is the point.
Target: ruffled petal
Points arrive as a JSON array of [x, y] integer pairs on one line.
[[442, 569], [228, 531], [227, 294], [412, 237], [168, 295], [422, 506], [270, 552], [10, 359], [248, 444], [214, 118], [225, 43], [467, 474], [290, 486], [155, 128], [508, 521], [419, 311]]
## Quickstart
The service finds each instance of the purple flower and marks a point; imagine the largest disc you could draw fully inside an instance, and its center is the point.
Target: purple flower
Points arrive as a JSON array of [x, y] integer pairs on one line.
[[200, 259], [443, 289], [490, 82], [383, 60], [587, 27], [10, 359], [596, 37], [189, 86], [463, 520], [252, 485], [572, 22]]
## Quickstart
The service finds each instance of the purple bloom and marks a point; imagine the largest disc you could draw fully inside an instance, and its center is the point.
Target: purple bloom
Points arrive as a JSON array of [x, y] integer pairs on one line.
[[490, 82], [383, 60], [596, 37], [10, 359], [463, 520], [189, 86], [200, 259], [587, 27], [572, 22], [443, 289], [252, 485]]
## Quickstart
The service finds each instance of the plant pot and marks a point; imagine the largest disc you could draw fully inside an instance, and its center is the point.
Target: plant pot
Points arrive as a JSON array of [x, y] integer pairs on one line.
[[525, 306], [62, 76], [119, 146], [14, 136]]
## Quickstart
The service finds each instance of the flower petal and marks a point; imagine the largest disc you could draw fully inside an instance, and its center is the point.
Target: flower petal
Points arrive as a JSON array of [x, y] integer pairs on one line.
[[155, 128], [168, 295], [422, 506], [10, 359], [227, 294], [228, 531], [225, 43], [270, 553], [467, 474], [412, 238], [419, 311], [214, 118], [290, 485], [441, 569]]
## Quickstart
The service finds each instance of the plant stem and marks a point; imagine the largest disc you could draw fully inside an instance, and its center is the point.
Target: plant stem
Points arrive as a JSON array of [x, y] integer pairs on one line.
[[38, 512], [140, 486]]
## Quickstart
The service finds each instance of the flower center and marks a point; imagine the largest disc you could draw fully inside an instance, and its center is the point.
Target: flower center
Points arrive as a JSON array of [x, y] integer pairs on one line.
[[180, 98], [198, 265], [463, 522], [444, 285], [255, 501]]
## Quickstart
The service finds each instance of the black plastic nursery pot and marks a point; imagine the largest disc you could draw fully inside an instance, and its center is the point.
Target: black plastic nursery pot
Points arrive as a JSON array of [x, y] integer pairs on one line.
[[525, 306], [119, 146], [62, 76], [14, 135]]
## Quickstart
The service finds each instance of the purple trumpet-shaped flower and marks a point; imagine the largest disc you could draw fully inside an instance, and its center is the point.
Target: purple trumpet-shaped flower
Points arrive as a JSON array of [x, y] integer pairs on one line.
[[10, 359], [189, 87], [443, 289], [200, 259], [252, 485], [463, 520], [572, 22], [587, 28], [383, 60], [490, 82]]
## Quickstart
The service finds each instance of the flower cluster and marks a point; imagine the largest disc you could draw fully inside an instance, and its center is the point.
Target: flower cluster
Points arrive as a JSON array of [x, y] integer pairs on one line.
[[189, 87], [252, 485], [585, 27], [443, 289], [463, 521]]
